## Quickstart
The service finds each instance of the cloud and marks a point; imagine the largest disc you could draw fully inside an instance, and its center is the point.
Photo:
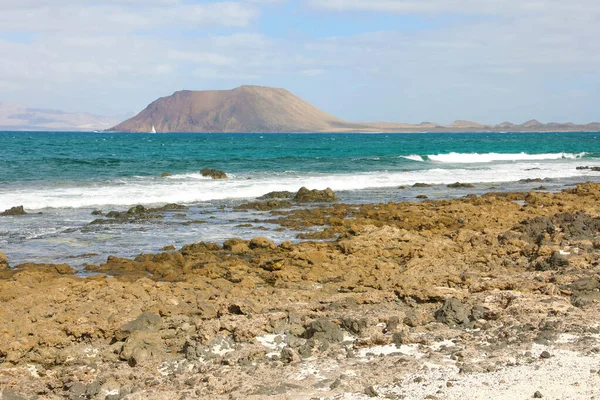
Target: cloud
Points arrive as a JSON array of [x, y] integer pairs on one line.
[[121, 16], [487, 60], [495, 7]]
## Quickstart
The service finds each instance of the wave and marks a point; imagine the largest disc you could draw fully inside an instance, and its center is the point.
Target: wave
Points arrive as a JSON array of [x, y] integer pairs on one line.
[[192, 188], [474, 158], [414, 157]]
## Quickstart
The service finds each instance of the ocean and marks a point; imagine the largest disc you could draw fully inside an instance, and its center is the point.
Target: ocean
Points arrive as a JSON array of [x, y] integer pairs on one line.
[[60, 178]]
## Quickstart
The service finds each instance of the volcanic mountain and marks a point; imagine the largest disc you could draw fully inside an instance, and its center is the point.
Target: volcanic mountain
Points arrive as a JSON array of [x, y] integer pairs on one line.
[[265, 109], [243, 109]]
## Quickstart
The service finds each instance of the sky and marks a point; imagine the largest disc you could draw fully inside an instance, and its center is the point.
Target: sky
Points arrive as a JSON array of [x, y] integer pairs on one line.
[[362, 60]]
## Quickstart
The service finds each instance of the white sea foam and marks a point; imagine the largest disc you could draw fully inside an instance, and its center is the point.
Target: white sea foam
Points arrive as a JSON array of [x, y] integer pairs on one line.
[[468, 158], [414, 157], [190, 188]]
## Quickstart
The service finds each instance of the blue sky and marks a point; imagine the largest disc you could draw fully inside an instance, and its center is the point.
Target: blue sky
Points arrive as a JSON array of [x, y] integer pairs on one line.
[[362, 60]]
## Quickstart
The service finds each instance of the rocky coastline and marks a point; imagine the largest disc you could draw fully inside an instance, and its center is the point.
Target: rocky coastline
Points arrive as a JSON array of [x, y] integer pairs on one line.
[[493, 296]]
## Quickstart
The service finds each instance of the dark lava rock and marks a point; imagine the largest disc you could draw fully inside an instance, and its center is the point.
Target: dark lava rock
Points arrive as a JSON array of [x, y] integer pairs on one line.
[[97, 212], [453, 313], [213, 173], [265, 205], [421, 185], [305, 195], [324, 330], [356, 326], [13, 211], [398, 339], [590, 168], [76, 390], [422, 196], [145, 322], [277, 195], [459, 185], [552, 263], [574, 226]]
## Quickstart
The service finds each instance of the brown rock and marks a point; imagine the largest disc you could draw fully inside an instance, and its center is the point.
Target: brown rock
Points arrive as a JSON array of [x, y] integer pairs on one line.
[[213, 173], [305, 195], [14, 211]]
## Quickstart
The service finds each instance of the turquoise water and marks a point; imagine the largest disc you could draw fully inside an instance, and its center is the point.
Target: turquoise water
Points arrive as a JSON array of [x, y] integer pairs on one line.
[[60, 178], [85, 156]]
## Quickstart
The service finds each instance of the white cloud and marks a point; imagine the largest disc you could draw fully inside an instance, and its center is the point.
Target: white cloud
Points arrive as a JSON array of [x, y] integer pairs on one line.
[[456, 6], [117, 16]]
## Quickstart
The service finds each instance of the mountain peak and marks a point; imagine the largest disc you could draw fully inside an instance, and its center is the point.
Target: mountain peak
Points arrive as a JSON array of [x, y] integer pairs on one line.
[[247, 108]]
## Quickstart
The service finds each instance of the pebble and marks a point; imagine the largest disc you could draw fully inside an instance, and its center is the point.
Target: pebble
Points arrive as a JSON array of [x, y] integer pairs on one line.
[[537, 395], [545, 354]]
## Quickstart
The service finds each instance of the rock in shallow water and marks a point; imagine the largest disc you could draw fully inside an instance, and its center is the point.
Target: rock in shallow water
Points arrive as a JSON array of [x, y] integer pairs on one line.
[[305, 195], [213, 173], [13, 211]]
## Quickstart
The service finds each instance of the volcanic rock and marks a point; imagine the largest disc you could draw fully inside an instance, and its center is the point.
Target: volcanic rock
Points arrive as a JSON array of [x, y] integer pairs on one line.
[[213, 173], [305, 195], [13, 211]]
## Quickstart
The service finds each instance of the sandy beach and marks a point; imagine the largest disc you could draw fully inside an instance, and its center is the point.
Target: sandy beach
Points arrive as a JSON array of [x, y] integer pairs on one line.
[[485, 297]]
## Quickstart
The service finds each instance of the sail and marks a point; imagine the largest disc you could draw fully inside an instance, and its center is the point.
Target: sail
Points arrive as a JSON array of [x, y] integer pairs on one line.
[[153, 129]]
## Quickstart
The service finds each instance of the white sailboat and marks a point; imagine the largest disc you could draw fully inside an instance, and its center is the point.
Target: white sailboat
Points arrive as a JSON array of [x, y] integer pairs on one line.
[[153, 129]]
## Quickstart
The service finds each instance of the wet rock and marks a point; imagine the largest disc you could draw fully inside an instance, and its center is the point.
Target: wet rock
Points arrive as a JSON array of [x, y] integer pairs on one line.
[[165, 174], [277, 195], [421, 185], [590, 168], [97, 212], [459, 185], [554, 262], [265, 205], [145, 322], [421, 196], [453, 313], [13, 211], [305, 195], [324, 330], [213, 173]]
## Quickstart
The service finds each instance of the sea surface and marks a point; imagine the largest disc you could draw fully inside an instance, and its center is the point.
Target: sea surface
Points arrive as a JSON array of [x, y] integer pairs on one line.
[[60, 178]]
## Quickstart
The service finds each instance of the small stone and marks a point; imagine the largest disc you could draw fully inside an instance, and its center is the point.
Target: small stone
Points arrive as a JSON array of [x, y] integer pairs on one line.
[[545, 354], [418, 379], [537, 395], [371, 392]]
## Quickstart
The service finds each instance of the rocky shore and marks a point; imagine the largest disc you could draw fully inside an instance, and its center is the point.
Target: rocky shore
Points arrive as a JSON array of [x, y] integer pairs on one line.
[[491, 297]]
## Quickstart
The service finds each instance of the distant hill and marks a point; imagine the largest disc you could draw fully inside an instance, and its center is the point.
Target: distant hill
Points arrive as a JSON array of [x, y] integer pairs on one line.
[[244, 109], [265, 109], [21, 118]]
